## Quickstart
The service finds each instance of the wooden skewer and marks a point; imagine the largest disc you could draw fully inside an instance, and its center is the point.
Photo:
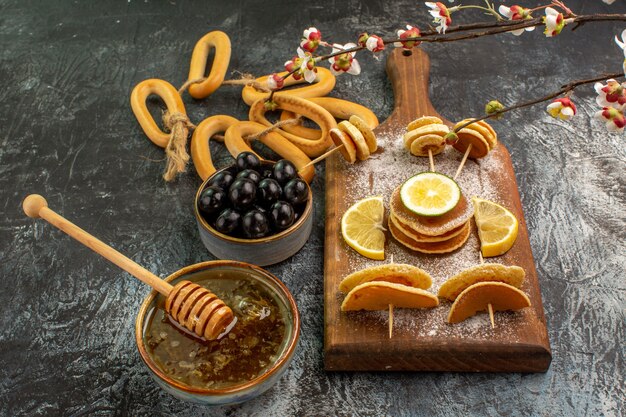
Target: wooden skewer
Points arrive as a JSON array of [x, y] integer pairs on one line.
[[467, 151], [189, 304], [489, 306], [390, 321], [323, 156], [431, 160], [391, 308]]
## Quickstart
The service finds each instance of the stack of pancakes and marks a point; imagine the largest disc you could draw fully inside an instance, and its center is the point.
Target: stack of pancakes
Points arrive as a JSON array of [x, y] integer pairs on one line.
[[436, 234]]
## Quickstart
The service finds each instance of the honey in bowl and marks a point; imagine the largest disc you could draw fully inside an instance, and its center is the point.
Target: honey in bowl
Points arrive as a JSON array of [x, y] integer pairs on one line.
[[246, 352]]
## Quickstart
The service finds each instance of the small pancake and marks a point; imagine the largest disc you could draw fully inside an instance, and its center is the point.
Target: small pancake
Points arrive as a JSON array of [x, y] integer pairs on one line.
[[512, 275], [423, 121], [362, 150], [348, 151], [418, 237], [378, 295], [438, 129], [480, 147], [431, 225], [422, 144], [476, 298], [404, 274], [366, 131], [445, 246], [484, 129]]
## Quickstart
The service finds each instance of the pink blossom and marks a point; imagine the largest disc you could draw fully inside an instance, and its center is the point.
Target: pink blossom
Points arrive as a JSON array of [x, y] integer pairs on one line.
[[516, 13], [311, 39], [613, 94], [441, 13], [554, 21], [275, 82], [344, 62], [410, 32], [302, 65], [614, 118], [562, 108]]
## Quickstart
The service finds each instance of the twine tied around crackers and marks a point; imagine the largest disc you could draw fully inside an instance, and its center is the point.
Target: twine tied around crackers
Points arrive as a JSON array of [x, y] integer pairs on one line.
[[178, 126]]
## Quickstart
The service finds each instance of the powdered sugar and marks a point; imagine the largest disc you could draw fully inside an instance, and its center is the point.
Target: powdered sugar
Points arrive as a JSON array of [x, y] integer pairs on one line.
[[379, 175]]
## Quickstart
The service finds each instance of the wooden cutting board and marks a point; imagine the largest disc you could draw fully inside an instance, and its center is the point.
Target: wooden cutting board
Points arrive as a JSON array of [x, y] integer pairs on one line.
[[422, 340]]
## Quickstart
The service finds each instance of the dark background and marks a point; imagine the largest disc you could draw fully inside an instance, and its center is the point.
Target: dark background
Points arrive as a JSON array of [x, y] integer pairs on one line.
[[66, 131]]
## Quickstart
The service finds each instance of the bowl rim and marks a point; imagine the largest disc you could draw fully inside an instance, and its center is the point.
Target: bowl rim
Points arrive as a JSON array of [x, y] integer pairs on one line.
[[291, 229], [280, 362]]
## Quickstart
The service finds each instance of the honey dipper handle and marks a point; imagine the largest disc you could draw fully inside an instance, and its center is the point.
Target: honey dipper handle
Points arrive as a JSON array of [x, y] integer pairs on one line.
[[36, 206]]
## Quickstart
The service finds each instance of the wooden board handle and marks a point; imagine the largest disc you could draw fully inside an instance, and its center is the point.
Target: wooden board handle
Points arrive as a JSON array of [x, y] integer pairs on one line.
[[409, 78], [36, 206]]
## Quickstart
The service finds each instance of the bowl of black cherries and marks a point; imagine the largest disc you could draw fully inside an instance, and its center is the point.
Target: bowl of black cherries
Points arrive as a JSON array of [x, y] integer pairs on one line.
[[254, 211]]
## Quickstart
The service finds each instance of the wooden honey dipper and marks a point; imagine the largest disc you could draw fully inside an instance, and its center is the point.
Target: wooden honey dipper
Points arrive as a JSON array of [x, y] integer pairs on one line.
[[190, 305]]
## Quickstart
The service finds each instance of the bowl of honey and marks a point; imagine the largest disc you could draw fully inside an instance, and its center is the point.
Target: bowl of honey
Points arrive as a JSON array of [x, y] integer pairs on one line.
[[242, 363]]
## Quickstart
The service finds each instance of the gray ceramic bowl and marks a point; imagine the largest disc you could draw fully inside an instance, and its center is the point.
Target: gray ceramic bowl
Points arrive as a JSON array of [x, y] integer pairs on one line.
[[265, 251], [237, 393]]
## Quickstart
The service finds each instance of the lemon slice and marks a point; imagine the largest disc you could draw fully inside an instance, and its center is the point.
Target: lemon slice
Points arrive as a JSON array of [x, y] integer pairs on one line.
[[497, 227], [362, 227], [430, 194]]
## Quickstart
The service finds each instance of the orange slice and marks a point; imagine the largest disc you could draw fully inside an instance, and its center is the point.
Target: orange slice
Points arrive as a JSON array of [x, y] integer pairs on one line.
[[477, 297], [378, 295]]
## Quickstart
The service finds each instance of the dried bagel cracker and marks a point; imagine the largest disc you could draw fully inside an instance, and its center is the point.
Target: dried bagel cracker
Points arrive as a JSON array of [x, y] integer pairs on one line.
[[484, 129], [404, 274], [423, 121], [348, 151], [378, 295], [362, 150], [480, 147], [439, 130], [422, 144], [366, 131], [512, 275]]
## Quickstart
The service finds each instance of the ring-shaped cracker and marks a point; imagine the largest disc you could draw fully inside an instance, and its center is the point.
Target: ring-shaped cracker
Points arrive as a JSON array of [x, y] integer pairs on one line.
[[482, 128], [431, 129], [362, 151], [345, 145], [324, 83], [340, 109], [422, 144], [200, 149], [235, 142], [168, 93], [480, 147], [423, 121], [366, 131], [306, 108], [220, 42]]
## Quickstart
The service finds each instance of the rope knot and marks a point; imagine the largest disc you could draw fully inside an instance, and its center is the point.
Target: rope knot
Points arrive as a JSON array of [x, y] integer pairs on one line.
[[178, 124]]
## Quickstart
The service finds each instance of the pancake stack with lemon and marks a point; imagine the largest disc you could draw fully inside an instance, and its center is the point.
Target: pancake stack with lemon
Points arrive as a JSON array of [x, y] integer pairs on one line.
[[429, 214]]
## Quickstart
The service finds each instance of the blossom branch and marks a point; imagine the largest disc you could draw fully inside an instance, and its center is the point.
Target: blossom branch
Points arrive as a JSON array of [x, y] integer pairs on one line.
[[564, 90]]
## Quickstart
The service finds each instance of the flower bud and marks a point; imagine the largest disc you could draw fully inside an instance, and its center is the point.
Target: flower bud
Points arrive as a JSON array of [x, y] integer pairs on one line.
[[494, 106], [275, 82], [362, 39], [451, 138], [270, 105]]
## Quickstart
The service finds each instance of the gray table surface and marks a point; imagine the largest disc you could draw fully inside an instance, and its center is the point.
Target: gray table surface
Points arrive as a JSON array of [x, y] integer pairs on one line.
[[67, 132]]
